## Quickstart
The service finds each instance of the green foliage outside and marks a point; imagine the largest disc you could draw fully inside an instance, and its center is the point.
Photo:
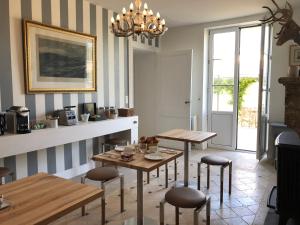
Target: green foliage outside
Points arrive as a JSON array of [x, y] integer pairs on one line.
[[228, 88]]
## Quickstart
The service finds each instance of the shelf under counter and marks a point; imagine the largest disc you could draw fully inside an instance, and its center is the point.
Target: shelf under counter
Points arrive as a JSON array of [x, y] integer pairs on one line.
[[15, 144]]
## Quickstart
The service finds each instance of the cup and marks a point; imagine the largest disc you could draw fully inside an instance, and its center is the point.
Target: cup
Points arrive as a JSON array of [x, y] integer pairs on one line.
[[53, 123], [85, 117], [152, 149]]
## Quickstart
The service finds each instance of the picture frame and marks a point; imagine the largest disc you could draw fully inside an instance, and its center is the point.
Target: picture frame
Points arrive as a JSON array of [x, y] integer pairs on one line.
[[294, 55], [58, 60]]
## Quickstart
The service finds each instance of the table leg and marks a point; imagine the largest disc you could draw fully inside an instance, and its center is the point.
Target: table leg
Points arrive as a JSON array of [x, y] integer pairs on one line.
[[186, 163], [140, 219], [140, 206]]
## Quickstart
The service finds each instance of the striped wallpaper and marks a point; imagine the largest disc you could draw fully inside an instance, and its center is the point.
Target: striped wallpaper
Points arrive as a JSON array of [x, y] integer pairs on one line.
[[113, 71]]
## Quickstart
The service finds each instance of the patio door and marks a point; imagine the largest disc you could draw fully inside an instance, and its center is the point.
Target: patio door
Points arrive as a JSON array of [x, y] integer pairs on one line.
[[264, 91], [239, 68], [223, 88]]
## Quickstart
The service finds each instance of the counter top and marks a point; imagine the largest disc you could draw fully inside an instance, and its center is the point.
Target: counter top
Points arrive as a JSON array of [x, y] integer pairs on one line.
[[14, 144]]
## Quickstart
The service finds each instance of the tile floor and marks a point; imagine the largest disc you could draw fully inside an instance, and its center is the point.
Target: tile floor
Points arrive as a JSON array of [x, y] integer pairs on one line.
[[252, 182]]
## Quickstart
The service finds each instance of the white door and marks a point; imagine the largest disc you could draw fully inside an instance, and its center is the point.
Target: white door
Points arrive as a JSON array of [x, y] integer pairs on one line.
[[223, 75], [174, 93]]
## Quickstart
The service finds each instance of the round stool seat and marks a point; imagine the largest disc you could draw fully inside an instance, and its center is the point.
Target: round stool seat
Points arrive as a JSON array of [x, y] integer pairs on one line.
[[4, 172], [184, 197], [102, 173], [215, 160]]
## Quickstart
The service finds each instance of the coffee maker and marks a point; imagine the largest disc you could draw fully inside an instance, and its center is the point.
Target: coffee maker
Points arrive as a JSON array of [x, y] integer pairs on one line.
[[17, 119], [2, 123]]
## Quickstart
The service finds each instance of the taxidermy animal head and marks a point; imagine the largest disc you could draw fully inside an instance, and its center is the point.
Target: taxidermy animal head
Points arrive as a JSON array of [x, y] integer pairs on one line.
[[290, 30]]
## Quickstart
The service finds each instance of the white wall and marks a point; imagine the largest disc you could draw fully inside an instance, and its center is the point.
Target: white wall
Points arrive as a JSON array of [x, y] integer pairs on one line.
[[280, 64], [195, 37]]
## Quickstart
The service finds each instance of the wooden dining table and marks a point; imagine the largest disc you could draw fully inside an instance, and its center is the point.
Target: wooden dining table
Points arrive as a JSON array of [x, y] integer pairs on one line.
[[188, 137], [43, 198], [140, 164]]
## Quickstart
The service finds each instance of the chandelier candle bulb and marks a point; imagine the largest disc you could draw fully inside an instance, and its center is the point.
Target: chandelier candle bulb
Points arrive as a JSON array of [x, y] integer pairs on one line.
[[138, 21], [145, 6]]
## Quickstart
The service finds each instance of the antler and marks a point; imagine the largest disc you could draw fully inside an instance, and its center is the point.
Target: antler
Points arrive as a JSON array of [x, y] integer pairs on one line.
[[286, 14]]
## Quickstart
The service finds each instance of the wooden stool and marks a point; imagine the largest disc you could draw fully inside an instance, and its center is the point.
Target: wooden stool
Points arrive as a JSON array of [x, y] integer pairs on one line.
[[211, 160], [185, 197], [4, 172], [105, 175]]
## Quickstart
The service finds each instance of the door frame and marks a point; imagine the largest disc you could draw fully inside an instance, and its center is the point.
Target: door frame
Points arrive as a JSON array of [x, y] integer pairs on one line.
[[210, 81]]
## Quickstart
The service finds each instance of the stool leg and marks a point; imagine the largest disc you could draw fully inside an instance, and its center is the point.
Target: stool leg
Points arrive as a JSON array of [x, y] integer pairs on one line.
[[148, 177], [221, 184], [176, 216], [157, 172], [1, 180], [208, 174], [167, 174], [230, 177], [175, 170], [103, 221], [83, 213], [196, 216], [162, 212], [122, 192], [199, 175], [208, 211]]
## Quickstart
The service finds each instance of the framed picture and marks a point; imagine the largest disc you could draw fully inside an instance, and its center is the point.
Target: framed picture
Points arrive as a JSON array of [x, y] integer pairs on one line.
[[295, 55], [58, 60]]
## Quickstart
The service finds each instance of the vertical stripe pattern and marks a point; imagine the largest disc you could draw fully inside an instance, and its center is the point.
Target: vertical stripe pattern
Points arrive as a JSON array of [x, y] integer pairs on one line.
[[112, 76]]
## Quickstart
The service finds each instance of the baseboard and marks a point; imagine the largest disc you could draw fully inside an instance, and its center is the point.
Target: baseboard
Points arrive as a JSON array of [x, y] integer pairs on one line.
[[77, 171]]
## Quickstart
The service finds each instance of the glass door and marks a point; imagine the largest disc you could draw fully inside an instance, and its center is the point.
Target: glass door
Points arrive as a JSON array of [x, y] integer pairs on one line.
[[239, 61], [223, 74]]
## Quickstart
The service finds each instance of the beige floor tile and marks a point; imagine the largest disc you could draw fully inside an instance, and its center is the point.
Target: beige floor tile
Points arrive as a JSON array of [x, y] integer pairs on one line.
[[252, 182]]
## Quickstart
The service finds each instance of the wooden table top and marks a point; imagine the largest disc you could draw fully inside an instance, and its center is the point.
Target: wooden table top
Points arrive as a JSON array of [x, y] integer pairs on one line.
[[187, 135], [139, 162], [43, 198]]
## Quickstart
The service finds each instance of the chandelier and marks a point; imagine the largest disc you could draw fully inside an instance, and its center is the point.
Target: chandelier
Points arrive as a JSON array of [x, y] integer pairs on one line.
[[138, 22]]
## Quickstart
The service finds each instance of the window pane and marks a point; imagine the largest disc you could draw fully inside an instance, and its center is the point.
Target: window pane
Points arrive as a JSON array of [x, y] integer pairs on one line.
[[223, 98], [223, 58]]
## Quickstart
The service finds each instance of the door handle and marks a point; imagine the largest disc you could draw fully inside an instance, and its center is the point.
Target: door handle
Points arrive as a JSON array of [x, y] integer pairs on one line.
[[187, 102]]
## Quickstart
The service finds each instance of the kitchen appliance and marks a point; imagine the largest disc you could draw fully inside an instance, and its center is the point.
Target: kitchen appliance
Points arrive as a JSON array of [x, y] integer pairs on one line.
[[17, 119], [2, 123], [285, 197], [66, 116]]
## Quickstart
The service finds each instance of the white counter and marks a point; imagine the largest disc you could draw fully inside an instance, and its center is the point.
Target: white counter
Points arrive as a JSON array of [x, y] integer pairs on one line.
[[15, 144]]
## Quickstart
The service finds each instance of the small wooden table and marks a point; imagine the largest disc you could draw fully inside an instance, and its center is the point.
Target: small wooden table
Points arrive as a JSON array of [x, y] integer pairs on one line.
[[187, 137], [140, 164], [43, 198]]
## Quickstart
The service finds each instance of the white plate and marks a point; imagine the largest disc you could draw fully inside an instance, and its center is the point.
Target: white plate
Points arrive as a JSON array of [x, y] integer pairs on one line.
[[119, 148], [154, 156]]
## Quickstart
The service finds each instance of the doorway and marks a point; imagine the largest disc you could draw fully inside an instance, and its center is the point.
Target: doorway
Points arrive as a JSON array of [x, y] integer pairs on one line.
[[162, 92], [234, 86]]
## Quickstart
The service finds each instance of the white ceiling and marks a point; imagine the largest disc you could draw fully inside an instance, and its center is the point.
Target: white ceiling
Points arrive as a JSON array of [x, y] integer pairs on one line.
[[186, 12]]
